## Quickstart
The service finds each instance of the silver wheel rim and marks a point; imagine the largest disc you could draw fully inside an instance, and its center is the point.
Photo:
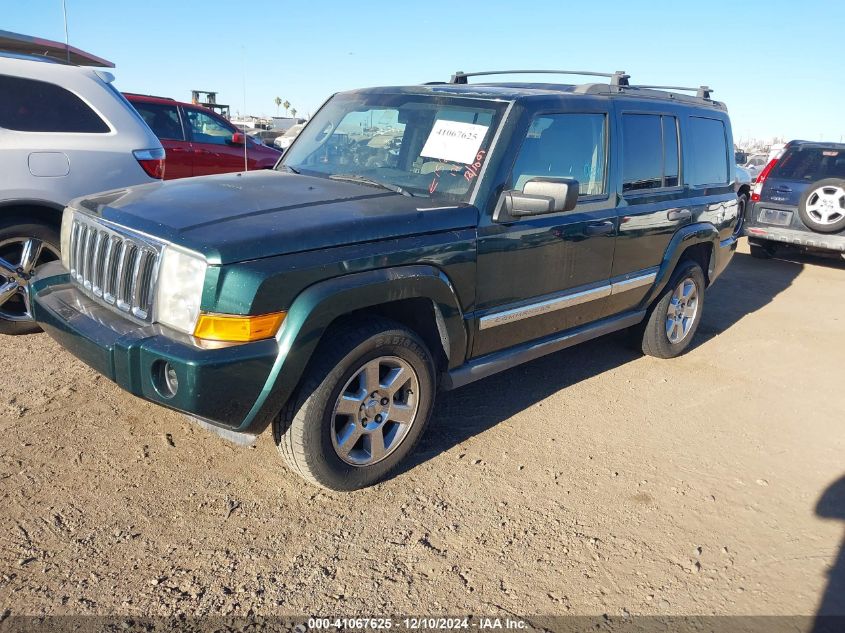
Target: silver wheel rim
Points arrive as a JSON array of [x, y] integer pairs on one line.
[[19, 257], [375, 411], [682, 310], [826, 205]]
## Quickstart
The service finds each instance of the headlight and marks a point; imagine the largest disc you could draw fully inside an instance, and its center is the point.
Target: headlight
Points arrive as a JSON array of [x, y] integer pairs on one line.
[[181, 277], [64, 237]]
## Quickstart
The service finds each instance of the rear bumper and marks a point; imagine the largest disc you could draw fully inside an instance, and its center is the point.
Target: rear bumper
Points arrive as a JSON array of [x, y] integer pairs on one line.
[[220, 386], [822, 241]]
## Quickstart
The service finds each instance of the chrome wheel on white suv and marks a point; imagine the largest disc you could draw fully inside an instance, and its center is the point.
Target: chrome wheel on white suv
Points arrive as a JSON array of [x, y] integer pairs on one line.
[[20, 255]]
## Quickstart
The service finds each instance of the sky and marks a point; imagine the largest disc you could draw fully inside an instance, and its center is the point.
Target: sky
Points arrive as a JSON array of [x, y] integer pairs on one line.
[[777, 64]]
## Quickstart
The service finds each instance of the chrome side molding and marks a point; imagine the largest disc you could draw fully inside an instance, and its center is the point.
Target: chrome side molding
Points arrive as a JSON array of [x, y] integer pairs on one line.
[[565, 301]]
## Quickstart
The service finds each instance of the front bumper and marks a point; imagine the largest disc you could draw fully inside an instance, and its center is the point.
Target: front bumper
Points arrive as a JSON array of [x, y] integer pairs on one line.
[[219, 385]]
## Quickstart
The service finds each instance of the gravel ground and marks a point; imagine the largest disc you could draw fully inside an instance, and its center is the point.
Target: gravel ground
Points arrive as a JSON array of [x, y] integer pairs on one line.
[[591, 481]]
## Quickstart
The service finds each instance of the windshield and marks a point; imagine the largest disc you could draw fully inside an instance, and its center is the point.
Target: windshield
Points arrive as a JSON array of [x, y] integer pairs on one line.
[[429, 146]]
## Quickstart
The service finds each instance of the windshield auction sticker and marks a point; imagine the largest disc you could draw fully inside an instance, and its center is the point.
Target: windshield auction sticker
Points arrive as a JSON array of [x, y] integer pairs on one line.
[[454, 141]]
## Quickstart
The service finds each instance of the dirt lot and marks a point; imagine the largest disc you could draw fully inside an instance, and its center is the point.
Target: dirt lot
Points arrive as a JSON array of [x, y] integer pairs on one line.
[[591, 481]]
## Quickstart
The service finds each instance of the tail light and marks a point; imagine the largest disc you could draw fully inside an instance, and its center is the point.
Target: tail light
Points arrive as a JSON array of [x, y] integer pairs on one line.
[[758, 184], [151, 161]]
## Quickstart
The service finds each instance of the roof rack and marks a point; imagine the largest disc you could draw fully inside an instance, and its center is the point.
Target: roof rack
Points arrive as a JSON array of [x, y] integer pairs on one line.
[[702, 92], [141, 94], [619, 78], [56, 51]]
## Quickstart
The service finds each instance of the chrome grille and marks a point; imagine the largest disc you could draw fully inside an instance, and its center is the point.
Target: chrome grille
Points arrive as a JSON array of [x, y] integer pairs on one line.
[[116, 267]]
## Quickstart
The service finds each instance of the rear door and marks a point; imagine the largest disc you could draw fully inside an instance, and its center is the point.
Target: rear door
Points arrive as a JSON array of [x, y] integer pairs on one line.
[[166, 122], [211, 139], [651, 200], [798, 168]]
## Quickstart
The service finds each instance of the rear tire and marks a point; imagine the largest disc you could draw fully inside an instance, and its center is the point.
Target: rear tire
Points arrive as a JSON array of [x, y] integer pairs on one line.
[[350, 422], [14, 232], [673, 318]]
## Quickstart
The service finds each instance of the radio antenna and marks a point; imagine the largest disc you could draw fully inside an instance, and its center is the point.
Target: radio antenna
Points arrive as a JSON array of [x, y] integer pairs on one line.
[[67, 42]]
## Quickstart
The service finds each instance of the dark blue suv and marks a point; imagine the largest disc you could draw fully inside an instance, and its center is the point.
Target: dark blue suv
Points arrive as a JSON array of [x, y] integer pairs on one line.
[[799, 200]]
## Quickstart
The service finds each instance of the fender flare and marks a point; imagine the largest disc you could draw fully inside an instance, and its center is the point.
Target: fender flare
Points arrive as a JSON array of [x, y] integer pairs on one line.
[[690, 235], [316, 307]]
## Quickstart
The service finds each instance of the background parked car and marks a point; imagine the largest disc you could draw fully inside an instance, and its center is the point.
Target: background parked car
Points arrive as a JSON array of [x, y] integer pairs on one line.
[[264, 136], [799, 200], [198, 141], [755, 164], [284, 141], [64, 132]]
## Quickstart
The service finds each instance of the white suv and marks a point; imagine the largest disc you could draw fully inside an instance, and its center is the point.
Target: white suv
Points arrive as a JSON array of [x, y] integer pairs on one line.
[[64, 132]]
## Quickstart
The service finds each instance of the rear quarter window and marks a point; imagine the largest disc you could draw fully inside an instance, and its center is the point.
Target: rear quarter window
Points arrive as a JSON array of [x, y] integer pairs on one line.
[[706, 153], [29, 105]]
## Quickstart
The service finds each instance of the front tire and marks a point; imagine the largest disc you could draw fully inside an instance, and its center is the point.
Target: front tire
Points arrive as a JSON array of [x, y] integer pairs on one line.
[[363, 404], [673, 319]]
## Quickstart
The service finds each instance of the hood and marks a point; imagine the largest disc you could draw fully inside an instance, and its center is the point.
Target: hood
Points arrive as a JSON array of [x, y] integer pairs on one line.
[[238, 217]]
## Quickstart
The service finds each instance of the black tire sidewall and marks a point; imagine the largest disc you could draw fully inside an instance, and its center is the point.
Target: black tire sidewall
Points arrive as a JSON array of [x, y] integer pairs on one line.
[[15, 226], [323, 461], [809, 222], [659, 343]]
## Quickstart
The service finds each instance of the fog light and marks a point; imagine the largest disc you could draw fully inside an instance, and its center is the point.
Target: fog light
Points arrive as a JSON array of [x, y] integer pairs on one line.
[[165, 379]]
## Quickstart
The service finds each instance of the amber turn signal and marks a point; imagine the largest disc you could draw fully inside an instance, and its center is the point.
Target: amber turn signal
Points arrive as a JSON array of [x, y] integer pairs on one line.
[[238, 329]]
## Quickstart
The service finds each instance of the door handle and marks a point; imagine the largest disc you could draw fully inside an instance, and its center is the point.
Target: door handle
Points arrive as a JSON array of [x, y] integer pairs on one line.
[[600, 228], [677, 215]]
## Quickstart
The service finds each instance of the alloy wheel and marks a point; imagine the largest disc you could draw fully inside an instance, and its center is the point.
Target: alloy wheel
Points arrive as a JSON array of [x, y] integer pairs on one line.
[[19, 257], [826, 205], [682, 310], [375, 410]]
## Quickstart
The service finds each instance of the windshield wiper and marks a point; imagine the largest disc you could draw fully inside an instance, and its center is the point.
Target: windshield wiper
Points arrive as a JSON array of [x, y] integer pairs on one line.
[[291, 169], [371, 181]]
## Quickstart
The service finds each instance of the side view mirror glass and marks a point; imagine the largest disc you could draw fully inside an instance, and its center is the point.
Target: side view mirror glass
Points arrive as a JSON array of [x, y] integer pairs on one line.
[[538, 196]]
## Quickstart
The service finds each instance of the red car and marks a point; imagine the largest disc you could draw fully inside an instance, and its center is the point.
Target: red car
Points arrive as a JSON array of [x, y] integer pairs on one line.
[[198, 141]]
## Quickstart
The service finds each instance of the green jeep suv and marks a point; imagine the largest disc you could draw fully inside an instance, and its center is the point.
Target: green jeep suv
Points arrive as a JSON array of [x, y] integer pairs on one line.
[[411, 239]]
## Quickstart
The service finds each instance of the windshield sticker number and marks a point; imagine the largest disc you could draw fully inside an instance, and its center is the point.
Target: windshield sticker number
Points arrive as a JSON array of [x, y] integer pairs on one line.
[[454, 141], [472, 171]]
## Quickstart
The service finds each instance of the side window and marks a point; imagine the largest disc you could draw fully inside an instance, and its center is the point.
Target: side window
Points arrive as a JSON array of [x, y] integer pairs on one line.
[[207, 129], [650, 158], [707, 156], [162, 119], [28, 105], [564, 146]]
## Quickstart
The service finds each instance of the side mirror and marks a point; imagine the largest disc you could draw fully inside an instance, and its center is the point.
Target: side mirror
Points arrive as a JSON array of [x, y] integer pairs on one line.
[[238, 139], [538, 196]]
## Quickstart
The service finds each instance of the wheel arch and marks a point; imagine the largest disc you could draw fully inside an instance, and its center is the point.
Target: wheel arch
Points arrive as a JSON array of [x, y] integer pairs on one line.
[[697, 242], [45, 211], [420, 297]]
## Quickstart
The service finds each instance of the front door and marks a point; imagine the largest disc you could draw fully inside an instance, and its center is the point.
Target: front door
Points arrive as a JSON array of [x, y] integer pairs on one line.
[[544, 274], [211, 139]]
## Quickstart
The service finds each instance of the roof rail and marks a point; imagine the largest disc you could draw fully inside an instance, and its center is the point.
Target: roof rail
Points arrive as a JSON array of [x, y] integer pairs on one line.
[[702, 92], [56, 51], [619, 78], [141, 94]]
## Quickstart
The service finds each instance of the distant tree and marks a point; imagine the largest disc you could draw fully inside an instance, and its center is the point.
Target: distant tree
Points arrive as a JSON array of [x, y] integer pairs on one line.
[[286, 106], [278, 102], [293, 112]]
